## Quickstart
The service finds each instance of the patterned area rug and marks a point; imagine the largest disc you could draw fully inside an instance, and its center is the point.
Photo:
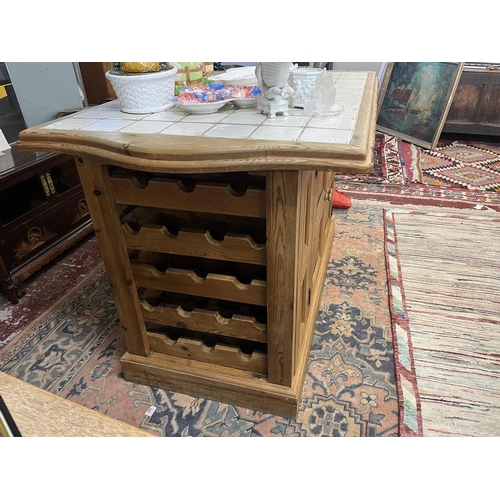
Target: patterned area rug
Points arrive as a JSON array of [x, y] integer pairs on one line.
[[455, 170], [74, 349], [444, 282]]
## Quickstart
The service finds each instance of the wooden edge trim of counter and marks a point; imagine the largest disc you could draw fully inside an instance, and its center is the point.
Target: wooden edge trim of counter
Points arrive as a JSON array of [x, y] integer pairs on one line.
[[330, 160], [364, 133], [180, 149], [39, 413], [189, 377]]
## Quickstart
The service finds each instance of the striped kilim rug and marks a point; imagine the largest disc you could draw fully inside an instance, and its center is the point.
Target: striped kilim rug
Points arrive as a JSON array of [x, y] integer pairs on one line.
[[444, 289]]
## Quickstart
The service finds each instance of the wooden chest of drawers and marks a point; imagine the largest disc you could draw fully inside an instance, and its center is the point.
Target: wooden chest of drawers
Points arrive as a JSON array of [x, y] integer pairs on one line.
[[42, 212], [476, 105]]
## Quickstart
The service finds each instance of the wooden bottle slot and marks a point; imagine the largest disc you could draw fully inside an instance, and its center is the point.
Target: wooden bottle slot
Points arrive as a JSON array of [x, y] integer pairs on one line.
[[233, 178], [195, 242], [217, 225], [241, 327], [208, 198], [220, 354], [242, 271], [185, 281], [224, 308]]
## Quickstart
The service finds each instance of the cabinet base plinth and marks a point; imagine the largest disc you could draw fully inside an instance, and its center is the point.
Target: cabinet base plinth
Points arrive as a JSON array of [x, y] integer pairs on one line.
[[201, 380]]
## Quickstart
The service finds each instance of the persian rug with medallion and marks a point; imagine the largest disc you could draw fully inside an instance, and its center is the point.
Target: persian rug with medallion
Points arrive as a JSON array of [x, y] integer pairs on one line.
[[74, 349], [457, 174]]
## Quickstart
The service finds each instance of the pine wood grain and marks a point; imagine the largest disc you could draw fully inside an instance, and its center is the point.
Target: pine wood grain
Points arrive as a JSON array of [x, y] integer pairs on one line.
[[99, 196], [238, 326], [204, 198], [219, 383], [196, 243], [219, 354], [282, 206], [217, 286]]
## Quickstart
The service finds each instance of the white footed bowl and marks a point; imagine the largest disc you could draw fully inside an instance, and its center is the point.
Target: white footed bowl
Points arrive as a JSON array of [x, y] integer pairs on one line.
[[275, 74], [144, 93], [303, 81]]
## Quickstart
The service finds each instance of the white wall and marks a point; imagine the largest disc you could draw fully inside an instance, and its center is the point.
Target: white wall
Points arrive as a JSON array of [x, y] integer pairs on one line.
[[44, 89], [361, 66]]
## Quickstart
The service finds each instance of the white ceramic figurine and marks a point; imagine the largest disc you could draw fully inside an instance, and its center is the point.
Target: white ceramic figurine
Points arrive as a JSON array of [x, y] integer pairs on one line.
[[272, 78]]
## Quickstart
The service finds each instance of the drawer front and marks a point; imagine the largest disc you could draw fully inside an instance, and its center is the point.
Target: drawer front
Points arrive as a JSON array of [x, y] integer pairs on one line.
[[41, 232]]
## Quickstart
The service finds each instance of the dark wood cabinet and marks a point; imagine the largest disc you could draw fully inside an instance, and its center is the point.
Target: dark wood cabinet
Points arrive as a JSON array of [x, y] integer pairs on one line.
[[475, 108], [42, 213], [97, 87]]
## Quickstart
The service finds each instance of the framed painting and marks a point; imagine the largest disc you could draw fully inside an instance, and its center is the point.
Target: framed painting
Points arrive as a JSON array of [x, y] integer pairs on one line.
[[415, 98]]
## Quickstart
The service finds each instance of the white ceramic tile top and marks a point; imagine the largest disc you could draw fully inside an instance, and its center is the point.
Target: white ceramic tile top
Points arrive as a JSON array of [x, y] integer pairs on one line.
[[72, 123], [167, 116], [277, 133], [230, 130], [181, 128], [232, 122], [106, 125], [145, 127]]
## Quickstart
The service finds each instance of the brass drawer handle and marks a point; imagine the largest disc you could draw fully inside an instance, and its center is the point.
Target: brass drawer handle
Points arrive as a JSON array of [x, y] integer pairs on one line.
[[51, 184], [45, 185]]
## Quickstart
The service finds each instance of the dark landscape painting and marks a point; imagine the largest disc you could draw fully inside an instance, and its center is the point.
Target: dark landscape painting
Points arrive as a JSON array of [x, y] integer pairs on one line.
[[415, 98]]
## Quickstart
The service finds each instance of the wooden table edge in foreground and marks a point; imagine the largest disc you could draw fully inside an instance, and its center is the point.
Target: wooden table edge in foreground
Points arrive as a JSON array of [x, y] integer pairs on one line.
[[39, 413], [287, 197]]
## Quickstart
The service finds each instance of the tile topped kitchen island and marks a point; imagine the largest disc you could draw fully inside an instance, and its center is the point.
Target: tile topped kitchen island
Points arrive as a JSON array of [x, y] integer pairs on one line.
[[215, 230]]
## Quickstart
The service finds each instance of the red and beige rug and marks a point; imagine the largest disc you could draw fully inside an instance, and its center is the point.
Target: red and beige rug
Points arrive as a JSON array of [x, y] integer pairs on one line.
[[74, 348], [444, 286], [456, 174]]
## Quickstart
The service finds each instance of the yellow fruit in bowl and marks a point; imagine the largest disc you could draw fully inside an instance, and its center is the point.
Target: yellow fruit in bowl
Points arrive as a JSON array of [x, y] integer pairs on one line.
[[139, 67]]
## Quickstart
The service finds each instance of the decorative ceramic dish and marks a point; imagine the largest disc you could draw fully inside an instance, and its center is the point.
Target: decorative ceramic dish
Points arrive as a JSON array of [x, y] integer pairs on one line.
[[246, 96], [201, 108], [198, 97], [211, 92], [245, 103]]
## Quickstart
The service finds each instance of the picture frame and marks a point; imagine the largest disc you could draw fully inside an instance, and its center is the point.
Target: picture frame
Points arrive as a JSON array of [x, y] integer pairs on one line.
[[8, 427], [414, 100]]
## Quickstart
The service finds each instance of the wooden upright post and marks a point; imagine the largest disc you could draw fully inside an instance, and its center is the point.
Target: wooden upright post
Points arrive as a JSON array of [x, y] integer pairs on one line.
[[98, 193], [282, 209]]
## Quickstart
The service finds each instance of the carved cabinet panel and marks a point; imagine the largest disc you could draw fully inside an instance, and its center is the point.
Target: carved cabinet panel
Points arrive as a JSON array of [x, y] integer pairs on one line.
[[42, 212]]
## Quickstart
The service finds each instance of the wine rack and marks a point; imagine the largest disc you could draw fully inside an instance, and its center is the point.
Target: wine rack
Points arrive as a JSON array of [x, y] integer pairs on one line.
[[218, 277]]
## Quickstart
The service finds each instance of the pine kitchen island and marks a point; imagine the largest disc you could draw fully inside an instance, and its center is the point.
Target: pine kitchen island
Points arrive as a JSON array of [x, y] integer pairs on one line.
[[215, 231]]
